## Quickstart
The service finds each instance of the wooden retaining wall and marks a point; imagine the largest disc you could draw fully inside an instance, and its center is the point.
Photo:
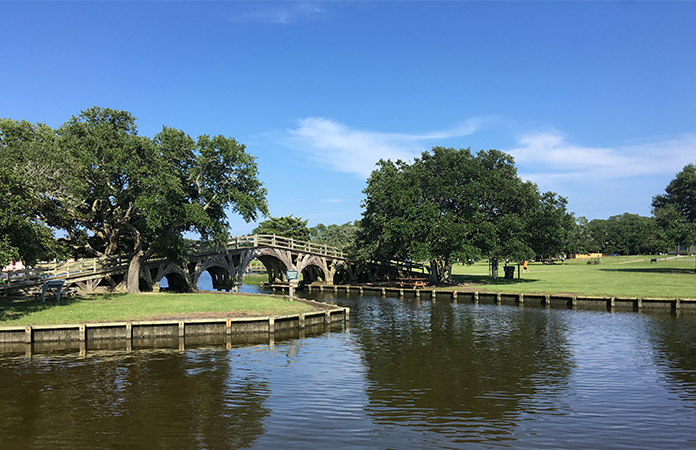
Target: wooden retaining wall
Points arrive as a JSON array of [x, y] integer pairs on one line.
[[538, 300], [154, 329]]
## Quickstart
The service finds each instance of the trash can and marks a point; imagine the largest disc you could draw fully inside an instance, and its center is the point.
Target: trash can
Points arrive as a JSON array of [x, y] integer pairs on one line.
[[509, 272]]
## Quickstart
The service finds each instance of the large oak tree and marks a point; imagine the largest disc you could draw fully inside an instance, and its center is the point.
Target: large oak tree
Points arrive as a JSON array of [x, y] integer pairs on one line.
[[113, 192], [451, 205], [676, 209]]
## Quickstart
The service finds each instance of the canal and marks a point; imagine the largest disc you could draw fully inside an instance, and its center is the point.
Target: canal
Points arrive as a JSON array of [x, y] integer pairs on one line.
[[405, 374]]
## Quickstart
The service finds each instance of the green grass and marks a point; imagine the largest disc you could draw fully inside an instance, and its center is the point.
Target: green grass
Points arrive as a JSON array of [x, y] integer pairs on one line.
[[123, 307], [256, 278], [618, 276]]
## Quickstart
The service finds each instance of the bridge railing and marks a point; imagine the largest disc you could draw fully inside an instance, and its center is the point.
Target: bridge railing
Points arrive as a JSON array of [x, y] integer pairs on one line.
[[272, 240], [66, 269]]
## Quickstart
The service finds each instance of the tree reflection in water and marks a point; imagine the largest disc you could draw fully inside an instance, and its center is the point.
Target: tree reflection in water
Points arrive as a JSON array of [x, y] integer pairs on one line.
[[467, 372], [139, 400]]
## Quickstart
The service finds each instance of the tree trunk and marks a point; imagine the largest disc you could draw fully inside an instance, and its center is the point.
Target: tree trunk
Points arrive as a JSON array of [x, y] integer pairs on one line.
[[440, 271], [133, 276]]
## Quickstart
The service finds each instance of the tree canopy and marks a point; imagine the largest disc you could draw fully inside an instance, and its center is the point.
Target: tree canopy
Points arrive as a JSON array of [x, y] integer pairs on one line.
[[339, 236], [676, 209], [30, 172], [288, 226], [451, 205], [113, 191]]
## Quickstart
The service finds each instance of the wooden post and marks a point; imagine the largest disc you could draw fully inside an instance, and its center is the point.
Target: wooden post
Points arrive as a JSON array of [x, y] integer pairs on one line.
[[547, 301], [301, 323], [271, 325], [499, 299], [454, 296], [520, 299], [476, 298], [639, 303], [181, 328], [82, 332], [574, 302], [28, 335]]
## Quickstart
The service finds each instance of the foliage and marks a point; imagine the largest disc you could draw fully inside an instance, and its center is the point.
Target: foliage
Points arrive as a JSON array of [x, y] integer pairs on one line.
[[339, 236], [580, 239], [32, 173], [550, 226], [140, 195], [628, 234], [112, 191], [451, 205], [676, 210], [288, 226]]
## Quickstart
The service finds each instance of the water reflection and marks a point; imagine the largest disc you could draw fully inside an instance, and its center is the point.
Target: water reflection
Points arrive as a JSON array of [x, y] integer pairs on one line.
[[141, 400], [408, 374], [675, 351], [455, 369]]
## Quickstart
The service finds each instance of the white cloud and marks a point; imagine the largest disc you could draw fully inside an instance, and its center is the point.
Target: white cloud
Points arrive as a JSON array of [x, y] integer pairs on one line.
[[285, 13], [549, 155], [356, 151]]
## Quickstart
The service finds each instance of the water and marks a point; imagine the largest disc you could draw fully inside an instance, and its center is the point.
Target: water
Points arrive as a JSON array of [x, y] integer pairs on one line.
[[405, 374]]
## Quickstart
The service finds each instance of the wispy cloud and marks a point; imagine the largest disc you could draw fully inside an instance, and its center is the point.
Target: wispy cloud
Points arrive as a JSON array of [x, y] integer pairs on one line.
[[283, 13], [356, 151], [550, 155]]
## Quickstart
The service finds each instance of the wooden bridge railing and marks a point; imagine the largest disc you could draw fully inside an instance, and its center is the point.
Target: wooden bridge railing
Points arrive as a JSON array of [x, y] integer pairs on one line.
[[18, 279], [68, 269], [272, 240]]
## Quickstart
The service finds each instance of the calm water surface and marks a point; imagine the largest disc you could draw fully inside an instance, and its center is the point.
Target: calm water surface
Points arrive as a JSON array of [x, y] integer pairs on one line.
[[404, 375]]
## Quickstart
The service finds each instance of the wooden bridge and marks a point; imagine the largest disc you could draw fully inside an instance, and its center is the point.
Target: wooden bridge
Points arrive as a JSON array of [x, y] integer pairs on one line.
[[319, 264]]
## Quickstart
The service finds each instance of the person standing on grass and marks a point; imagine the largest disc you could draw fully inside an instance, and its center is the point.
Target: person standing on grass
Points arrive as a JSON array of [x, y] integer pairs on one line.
[[525, 266]]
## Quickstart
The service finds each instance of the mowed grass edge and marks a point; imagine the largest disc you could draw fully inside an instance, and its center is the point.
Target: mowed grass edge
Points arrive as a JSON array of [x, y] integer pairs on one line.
[[130, 307], [618, 276]]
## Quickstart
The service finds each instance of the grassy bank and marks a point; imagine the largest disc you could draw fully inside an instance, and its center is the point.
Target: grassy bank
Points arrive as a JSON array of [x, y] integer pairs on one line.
[[122, 307], [256, 278], [619, 276]]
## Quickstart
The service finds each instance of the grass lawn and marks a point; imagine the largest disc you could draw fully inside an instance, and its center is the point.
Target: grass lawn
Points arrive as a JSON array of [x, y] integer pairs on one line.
[[122, 307], [618, 276], [256, 278]]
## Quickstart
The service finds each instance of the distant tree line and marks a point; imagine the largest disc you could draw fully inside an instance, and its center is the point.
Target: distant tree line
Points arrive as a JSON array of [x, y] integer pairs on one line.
[[338, 236], [452, 206]]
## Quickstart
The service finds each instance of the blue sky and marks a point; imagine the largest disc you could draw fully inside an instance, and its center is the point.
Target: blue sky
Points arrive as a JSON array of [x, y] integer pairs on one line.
[[595, 100]]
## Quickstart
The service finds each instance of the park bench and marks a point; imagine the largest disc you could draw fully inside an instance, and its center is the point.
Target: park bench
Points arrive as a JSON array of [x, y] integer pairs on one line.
[[53, 286], [653, 260], [412, 283], [593, 261]]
